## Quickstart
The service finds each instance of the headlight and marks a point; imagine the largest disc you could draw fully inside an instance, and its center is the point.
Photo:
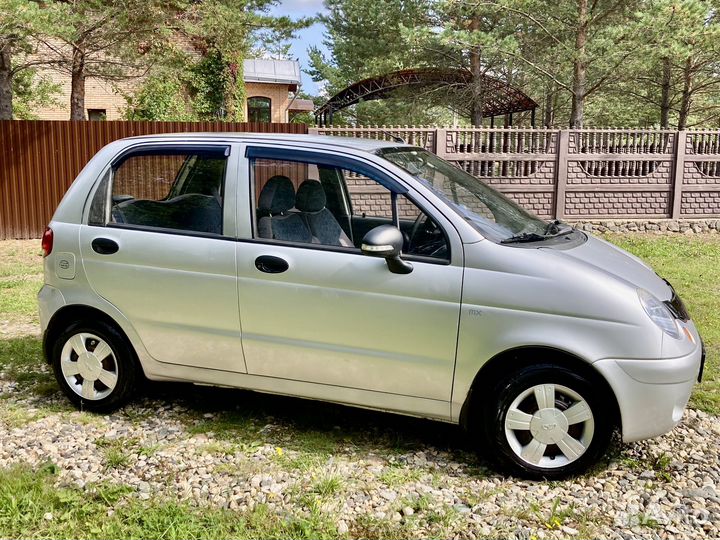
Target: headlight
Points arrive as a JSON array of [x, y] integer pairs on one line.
[[659, 313]]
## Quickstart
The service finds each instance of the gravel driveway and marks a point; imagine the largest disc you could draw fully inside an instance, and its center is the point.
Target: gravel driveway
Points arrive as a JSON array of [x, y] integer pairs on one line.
[[377, 475]]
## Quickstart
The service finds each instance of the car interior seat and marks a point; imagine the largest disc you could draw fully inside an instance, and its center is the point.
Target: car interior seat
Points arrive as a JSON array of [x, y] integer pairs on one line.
[[311, 201], [276, 221]]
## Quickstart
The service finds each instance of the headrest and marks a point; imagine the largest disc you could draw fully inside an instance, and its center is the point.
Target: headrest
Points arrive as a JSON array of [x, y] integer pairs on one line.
[[277, 196], [310, 196]]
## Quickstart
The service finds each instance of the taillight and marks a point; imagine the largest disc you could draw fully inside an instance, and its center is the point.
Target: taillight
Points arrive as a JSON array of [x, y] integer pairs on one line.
[[47, 241]]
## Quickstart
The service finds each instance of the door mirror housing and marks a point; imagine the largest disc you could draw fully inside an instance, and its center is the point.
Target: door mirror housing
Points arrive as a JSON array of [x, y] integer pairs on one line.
[[386, 241]]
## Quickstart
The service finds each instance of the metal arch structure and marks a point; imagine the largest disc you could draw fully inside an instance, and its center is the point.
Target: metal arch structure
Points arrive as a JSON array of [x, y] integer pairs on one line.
[[500, 98]]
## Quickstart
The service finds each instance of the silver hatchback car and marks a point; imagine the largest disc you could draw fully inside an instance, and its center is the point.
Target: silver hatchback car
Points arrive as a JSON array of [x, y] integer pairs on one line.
[[361, 272]]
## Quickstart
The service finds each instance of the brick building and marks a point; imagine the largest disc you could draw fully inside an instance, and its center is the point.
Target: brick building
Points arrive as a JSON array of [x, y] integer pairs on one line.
[[271, 87]]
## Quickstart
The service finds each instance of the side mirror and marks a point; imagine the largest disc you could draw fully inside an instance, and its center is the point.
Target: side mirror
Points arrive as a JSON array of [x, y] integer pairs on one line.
[[386, 241]]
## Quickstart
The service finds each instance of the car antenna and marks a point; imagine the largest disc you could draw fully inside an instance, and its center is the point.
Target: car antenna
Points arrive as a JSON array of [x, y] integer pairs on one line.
[[394, 137]]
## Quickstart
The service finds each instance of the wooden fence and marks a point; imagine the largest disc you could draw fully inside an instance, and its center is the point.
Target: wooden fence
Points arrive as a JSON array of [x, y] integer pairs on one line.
[[40, 159], [580, 175], [570, 174]]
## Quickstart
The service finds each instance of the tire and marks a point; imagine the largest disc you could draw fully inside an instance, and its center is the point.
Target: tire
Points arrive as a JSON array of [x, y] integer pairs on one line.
[[95, 366], [540, 439]]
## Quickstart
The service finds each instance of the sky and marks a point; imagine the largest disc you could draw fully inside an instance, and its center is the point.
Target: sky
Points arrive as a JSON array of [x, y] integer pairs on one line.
[[305, 38]]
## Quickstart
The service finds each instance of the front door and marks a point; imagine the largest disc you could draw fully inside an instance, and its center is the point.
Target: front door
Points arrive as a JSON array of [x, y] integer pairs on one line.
[[159, 245], [314, 309]]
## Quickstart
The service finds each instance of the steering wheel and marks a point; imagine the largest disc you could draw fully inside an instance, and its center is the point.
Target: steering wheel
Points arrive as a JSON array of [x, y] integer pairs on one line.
[[417, 224]]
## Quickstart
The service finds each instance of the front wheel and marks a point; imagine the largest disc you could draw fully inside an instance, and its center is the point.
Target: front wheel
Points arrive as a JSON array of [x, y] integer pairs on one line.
[[95, 366], [547, 422]]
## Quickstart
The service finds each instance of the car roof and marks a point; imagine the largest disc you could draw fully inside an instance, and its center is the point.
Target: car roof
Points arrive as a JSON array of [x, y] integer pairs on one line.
[[366, 145]]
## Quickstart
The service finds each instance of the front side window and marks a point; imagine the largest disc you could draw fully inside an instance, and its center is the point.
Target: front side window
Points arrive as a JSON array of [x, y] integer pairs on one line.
[[489, 211], [259, 109], [171, 189], [313, 203]]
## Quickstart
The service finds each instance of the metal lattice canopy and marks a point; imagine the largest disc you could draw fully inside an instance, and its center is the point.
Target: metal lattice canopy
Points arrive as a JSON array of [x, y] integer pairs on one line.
[[499, 98]]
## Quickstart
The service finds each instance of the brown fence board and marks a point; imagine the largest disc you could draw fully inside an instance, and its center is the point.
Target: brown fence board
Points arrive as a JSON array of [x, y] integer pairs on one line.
[[40, 159]]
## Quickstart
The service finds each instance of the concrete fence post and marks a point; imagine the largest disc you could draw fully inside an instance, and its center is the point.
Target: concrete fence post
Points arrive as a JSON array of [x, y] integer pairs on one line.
[[440, 142], [678, 172], [561, 171]]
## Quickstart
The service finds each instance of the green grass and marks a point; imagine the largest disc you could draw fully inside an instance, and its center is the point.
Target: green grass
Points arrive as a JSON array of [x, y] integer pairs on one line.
[[20, 280], [327, 487], [22, 361], [692, 265], [394, 476], [31, 506]]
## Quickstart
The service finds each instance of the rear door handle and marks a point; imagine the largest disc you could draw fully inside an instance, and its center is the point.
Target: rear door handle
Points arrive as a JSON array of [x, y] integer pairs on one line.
[[105, 246], [270, 264]]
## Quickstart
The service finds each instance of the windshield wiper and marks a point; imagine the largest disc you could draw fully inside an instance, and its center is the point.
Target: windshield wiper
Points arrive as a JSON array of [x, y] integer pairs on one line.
[[556, 227], [524, 237], [553, 229]]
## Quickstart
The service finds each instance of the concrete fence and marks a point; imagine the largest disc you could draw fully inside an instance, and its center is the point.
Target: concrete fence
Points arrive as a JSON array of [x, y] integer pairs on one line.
[[580, 175]]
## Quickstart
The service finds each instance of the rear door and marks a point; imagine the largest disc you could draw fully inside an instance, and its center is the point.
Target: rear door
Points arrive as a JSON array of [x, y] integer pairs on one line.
[[159, 244]]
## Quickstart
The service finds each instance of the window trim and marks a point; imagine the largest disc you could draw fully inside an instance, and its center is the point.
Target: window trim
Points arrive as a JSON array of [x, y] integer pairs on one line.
[[321, 158], [292, 154], [164, 230], [269, 109], [341, 249], [174, 148]]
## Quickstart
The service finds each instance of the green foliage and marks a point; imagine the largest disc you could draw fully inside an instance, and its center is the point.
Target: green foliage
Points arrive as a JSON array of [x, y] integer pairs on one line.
[[22, 22], [31, 90], [609, 61], [160, 98], [200, 76], [32, 507], [209, 85]]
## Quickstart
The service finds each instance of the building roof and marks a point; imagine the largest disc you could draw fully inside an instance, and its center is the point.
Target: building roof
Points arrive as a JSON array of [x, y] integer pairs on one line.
[[272, 71], [498, 96], [302, 105]]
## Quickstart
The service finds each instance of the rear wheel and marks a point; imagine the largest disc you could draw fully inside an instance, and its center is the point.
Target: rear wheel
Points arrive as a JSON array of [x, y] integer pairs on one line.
[[95, 366], [547, 421]]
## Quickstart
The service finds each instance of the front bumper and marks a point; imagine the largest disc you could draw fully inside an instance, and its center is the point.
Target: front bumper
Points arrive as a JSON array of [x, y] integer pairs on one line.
[[651, 394]]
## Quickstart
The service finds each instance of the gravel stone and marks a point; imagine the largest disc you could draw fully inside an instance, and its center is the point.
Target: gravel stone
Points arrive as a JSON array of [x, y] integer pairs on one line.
[[635, 494]]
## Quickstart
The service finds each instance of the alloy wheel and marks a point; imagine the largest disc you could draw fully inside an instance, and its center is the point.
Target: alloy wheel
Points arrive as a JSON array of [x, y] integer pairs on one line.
[[89, 366], [549, 426]]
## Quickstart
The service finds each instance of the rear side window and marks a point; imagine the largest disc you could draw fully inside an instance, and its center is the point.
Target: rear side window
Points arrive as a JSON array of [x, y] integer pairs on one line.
[[172, 189]]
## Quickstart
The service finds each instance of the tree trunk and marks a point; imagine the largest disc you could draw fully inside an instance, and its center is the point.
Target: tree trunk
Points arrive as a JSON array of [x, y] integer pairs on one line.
[[580, 67], [548, 108], [6, 94], [235, 98], [478, 98], [686, 95], [665, 96], [77, 84]]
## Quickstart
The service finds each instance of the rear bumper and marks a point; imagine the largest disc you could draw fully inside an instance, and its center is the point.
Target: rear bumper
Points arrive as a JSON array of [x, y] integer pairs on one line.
[[652, 394], [50, 299]]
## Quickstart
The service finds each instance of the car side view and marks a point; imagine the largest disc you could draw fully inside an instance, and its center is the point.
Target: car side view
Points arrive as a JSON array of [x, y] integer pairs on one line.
[[361, 272]]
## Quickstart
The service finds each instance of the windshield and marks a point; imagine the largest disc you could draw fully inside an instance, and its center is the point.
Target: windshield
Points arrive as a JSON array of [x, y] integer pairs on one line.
[[493, 214]]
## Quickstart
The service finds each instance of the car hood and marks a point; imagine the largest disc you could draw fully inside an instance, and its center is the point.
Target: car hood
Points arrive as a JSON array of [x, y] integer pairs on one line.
[[612, 260]]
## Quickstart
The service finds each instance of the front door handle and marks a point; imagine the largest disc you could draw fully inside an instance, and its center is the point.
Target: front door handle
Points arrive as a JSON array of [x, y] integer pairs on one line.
[[270, 264], [104, 246]]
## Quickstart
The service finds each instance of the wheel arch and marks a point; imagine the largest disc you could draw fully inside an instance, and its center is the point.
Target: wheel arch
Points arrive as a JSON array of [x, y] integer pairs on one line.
[[511, 360], [76, 312]]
